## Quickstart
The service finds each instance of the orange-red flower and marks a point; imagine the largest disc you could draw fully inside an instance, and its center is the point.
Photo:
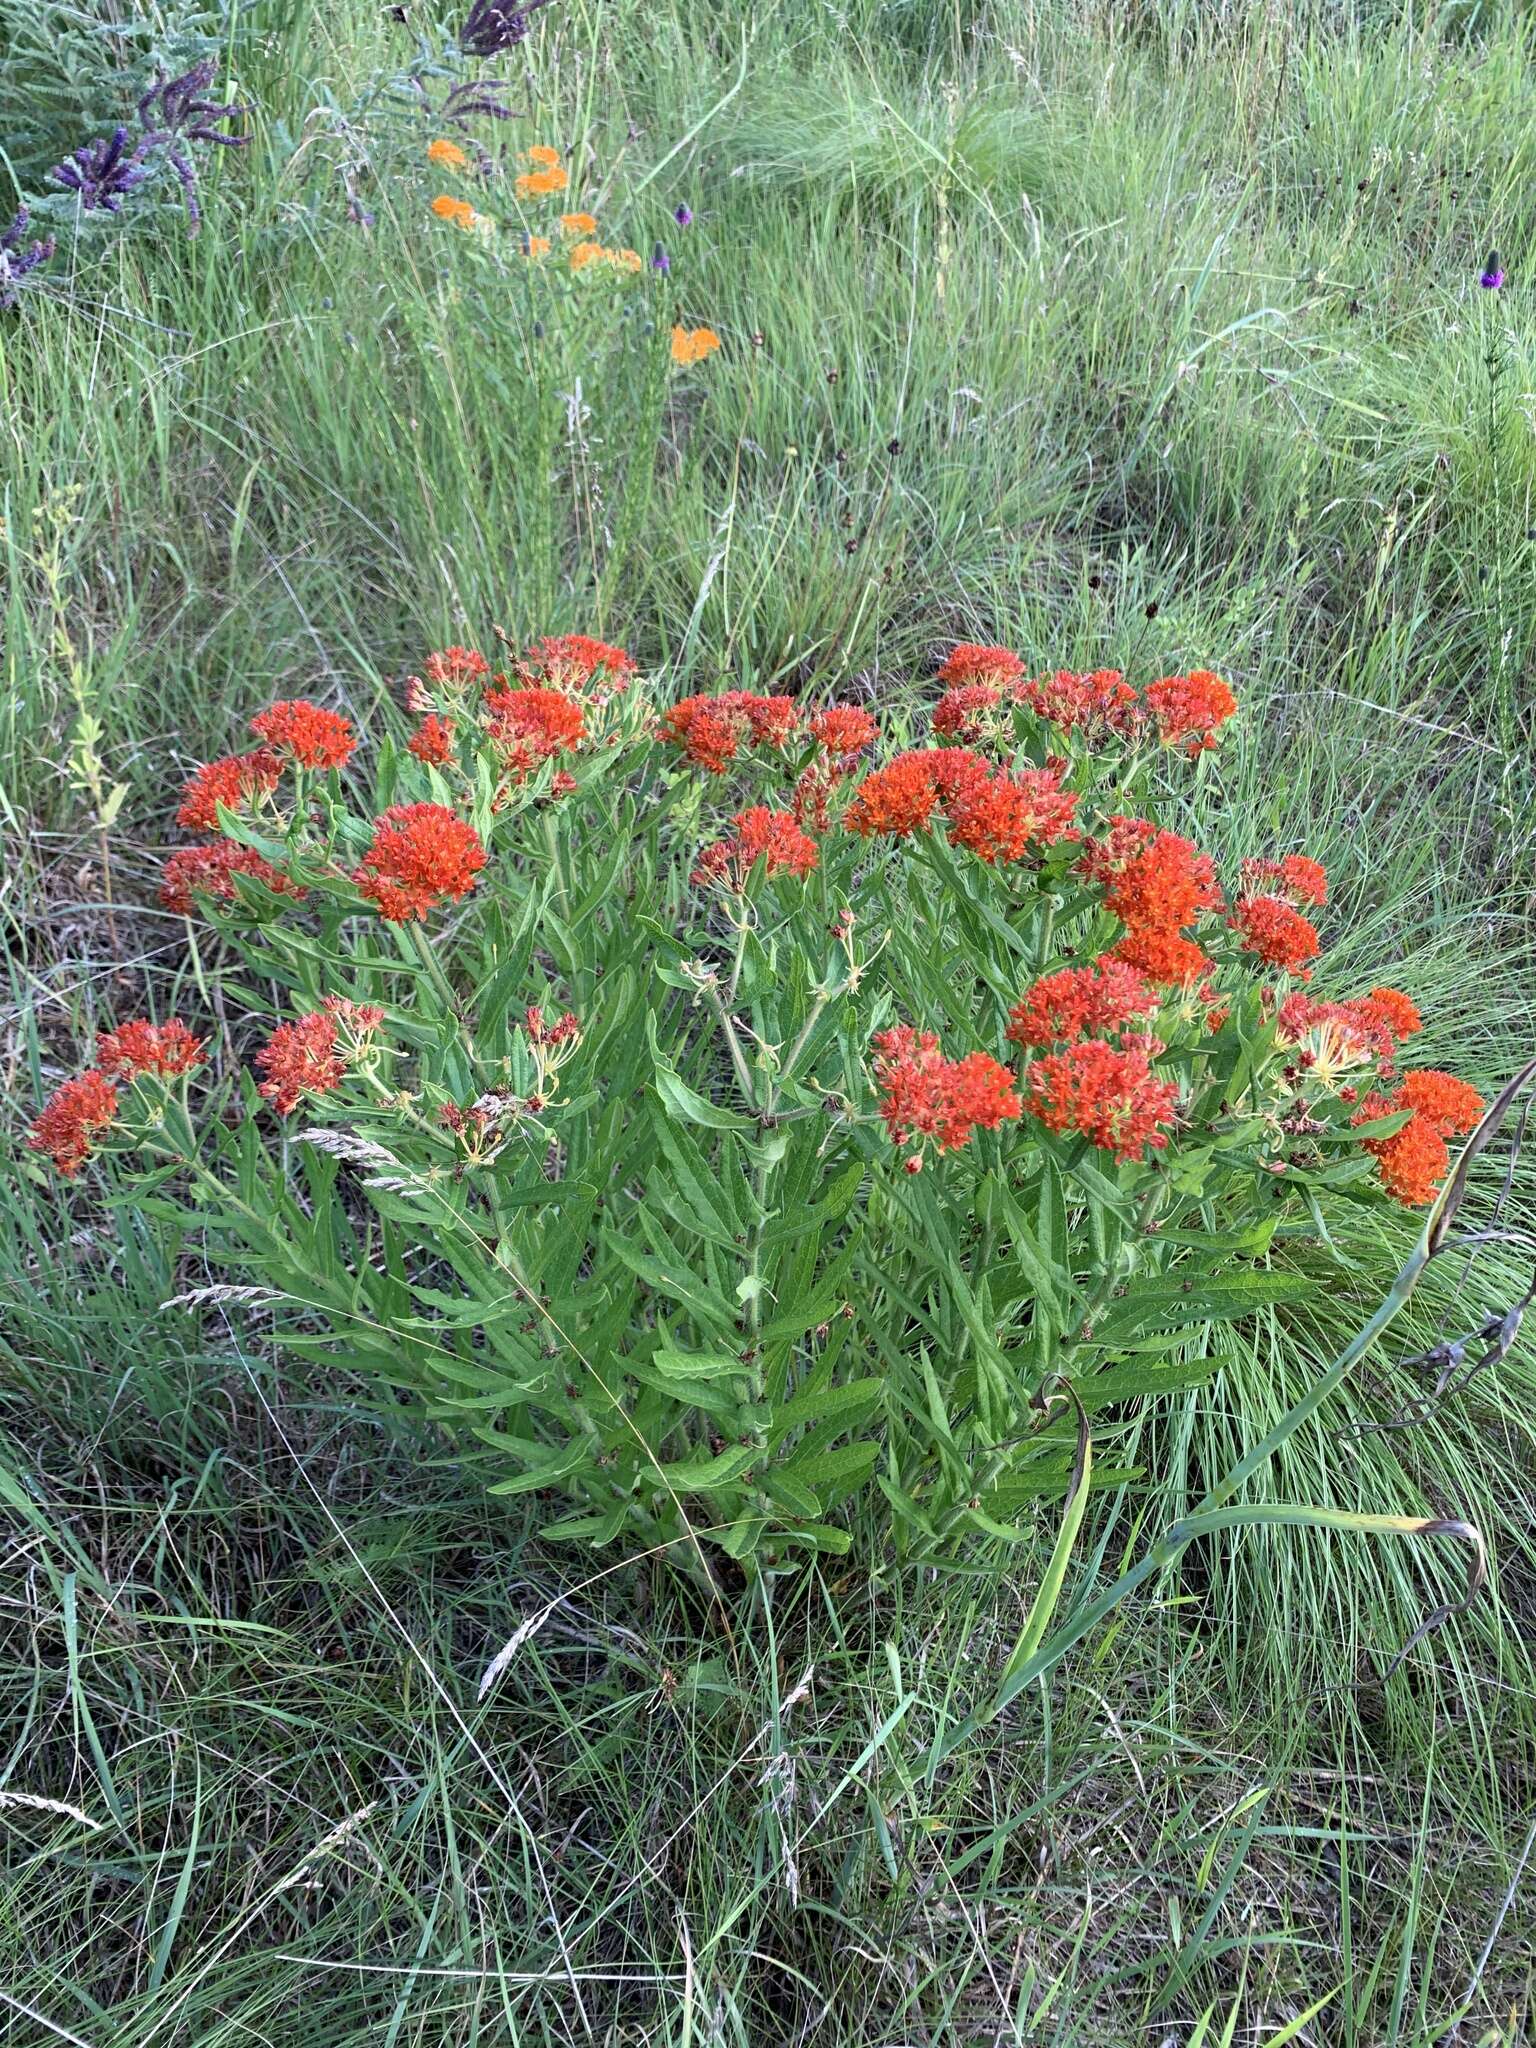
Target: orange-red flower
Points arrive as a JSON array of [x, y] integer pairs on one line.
[[925, 1095], [421, 855], [961, 713], [1164, 957], [459, 211], [537, 184], [1412, 1161], [1295, 878], [969, 662], [1191, 709], [306, 734], [773, 837], [1152, 880], [300, 1059], [1008, 817], [1448, 1105], [1109, 1094], [453, 667], [1080, 1002], [194, 871], [140, 1047], [578, 224], [1100, 705], [442, 151], [529, 726], [843, 729], [712, 731], [1396, 1010], [575, 661], [432, 741], [1276, 932], [898, 798], [72, 1119], [238, 782]]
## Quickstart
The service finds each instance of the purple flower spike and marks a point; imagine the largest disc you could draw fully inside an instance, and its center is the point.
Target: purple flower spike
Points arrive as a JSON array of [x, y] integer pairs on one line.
[[660, 260], [684, 216], [103, 172], [1492, 276], [16, 261]]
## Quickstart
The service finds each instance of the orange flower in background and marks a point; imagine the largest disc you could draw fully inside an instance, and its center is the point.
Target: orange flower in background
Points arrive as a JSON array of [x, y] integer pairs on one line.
[[140, 1047], [535, 246], [72, 1119], [578, 224], [961, 713], [442, 151], [543, 155], [539, 184], [530, 726], [1296, 878], [1099, 705], [459, 211], [843, 729], [969, 663], [452, 667], [692, 345], [421, 855], [305, 733], [1450, 1106], [1165, 957], [1397, 1010], [575, 661], [1152, 880]]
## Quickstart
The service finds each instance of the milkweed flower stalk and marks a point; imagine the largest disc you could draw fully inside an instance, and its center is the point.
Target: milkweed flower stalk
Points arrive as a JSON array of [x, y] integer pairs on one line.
[[740, 1079]]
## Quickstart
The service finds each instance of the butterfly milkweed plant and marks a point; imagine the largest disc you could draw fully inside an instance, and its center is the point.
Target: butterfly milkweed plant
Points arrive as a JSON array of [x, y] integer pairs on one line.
[[708, 1110]]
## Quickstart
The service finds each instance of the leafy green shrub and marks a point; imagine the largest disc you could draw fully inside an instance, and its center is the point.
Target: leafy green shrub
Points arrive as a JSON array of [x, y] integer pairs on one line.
[[638, 1105]]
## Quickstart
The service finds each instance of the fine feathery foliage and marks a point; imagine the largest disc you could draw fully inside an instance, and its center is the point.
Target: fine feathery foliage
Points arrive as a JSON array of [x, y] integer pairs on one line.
[[709, 1110]]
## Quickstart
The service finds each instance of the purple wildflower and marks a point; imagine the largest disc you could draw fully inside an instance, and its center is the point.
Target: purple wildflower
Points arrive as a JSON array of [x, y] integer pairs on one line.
[[660, 260], [104, 172], [16, 261], [173, 113], [495, 25], [684, 216], [1492, 276]]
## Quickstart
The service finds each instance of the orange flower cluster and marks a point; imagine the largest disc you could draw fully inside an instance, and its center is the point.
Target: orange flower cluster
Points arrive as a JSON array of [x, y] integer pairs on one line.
[[574, 661], [1108, 1094], [235, 782], [761, 834], [1296, 879], [422, 855], [968, 665], [140, 1047], [546, 175], [433, 741], [1098, 707], [995, 815], [306, 734], [528, 727], [1152, 880], [1078, 1002], [586, 254], [72, 1120], [927, 1096], [1276, 933], [693, 344], [843, 730], [1189, 710], [712, 731], [962, 713], [311, 1055], [1413, 1160]]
